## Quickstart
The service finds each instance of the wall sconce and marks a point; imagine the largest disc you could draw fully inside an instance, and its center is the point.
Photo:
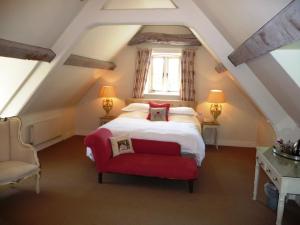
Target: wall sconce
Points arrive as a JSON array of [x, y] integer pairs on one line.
[[107, 92], [216, 97]]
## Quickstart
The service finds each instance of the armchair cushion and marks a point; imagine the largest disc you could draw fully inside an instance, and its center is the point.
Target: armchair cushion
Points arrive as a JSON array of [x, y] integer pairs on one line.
[[12, 171]]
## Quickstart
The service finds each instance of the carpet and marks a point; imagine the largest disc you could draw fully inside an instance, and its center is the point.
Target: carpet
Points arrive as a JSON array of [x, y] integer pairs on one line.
[[70, 194]]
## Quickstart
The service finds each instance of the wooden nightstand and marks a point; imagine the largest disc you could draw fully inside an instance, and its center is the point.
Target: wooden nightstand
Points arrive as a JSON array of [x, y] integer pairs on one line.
[[105, 119], [211, 125]]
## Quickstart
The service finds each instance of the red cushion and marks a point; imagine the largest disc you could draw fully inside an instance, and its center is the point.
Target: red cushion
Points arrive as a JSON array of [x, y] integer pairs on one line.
[[163, 166], [155, 147], [159, 105]]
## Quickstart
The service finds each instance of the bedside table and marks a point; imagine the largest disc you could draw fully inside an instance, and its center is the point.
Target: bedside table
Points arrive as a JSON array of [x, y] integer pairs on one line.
[[214, 125], [105, 119]]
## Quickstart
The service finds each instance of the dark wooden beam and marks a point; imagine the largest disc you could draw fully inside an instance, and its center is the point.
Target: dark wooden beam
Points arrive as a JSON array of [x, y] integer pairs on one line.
[[282, 29], [23, 51], [77, 60], [166, 39], [220, 68]]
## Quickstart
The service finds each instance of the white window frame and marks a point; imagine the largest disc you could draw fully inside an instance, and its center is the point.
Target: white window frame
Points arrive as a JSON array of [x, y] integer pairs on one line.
[[166, 54]]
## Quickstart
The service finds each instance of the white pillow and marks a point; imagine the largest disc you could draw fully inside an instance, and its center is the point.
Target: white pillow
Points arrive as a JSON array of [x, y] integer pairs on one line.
[[136, 107], [121, 145], [182, 111]]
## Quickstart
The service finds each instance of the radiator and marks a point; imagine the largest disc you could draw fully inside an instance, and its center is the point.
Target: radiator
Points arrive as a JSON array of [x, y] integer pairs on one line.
[[46, 130]]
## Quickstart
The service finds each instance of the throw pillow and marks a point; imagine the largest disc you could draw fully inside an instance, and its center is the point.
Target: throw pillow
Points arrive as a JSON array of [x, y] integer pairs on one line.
[[159, 105], [158, 114], [121, 145]]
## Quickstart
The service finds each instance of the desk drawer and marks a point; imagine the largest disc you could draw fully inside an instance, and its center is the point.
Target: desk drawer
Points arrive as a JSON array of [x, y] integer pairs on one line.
[[271, 173]]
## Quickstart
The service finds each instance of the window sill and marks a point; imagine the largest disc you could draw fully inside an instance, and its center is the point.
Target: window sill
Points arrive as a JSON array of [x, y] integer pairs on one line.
[[162, 95]]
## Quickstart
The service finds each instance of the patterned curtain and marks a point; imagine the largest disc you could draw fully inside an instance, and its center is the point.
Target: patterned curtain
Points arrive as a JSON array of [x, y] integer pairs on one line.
[[141, 70], [187, 90]]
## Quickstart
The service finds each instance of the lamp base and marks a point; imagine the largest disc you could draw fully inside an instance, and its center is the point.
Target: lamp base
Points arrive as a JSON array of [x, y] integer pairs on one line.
[[107, 105], [215, 110]]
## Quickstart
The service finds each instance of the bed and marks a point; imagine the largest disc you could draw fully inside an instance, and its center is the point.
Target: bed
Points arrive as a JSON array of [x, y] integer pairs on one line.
[[182, 128]]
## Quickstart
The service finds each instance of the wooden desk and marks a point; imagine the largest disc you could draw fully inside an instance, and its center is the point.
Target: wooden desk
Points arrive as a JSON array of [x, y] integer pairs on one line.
[[284, 173]]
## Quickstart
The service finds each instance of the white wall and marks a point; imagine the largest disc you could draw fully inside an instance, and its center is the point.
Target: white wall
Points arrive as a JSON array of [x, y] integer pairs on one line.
[[239, 118]]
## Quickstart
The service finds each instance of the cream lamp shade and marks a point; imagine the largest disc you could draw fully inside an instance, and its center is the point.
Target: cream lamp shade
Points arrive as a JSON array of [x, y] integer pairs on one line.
[[107, 92], [215, 97]]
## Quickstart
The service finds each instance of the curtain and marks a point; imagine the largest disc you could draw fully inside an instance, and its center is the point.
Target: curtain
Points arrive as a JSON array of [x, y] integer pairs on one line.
[[187, 90], [141, 71]]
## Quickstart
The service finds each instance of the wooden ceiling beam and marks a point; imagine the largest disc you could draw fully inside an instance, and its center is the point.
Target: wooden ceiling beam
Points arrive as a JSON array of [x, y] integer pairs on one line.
[[165, 39], [282, 29], [24, 51], [77, 60]]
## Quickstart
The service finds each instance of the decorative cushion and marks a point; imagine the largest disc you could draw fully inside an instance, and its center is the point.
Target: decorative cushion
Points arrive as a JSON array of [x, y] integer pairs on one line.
[[121, 145], [158, 114], [159, 105]]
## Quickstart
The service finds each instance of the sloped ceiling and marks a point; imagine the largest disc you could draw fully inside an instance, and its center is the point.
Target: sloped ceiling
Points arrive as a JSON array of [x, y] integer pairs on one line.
[[255, 14], [36, 22], [68, 84]]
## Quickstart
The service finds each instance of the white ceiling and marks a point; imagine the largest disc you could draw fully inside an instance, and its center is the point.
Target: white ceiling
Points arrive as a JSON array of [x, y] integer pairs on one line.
[[237, 29], [36, 22], [68, 84], [104, 42]]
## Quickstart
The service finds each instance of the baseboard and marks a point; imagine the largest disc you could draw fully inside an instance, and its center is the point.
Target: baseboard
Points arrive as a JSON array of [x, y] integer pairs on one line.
[[82, 132], [238, 143], [54, 141]]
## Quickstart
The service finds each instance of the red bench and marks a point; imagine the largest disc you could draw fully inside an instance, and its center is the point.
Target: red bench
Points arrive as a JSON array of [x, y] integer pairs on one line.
[[151, 158]]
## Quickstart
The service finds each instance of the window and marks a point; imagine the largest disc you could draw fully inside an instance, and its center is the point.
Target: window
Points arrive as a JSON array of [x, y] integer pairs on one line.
[[164, 73]]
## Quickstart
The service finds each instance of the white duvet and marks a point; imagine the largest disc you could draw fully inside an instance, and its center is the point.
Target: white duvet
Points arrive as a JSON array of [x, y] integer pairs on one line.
[[183, 129]]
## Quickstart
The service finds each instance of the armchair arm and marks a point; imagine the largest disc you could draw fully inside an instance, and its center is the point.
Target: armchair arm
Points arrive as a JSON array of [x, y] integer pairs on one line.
[[155, 147], [19, 150], [25, 153]]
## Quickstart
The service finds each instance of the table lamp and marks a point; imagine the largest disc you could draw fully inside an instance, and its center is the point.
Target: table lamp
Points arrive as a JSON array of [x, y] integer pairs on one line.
[[107, 92], [216, 97]]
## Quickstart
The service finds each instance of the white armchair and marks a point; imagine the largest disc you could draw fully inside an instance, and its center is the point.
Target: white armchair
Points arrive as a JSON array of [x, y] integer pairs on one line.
[[17, 159]]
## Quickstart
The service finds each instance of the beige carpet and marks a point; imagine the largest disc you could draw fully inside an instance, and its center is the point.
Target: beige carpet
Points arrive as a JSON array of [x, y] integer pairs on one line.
[[70, 194]]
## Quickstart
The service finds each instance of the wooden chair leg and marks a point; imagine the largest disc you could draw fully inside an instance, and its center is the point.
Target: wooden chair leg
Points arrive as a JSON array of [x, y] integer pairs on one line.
[[100, 178], [191, 186], [37, 182]]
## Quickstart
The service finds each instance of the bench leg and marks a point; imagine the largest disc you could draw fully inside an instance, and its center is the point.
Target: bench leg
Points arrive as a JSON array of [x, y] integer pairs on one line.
[[100, 178], [191, 186]]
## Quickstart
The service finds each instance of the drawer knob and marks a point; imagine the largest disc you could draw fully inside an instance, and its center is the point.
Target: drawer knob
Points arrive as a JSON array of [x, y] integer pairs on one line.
[[268, 170], [275, 179]]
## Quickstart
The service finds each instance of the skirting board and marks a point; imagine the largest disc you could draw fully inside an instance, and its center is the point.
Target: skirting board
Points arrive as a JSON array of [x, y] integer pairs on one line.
[[82, 132], [238, 143], [47, 144]]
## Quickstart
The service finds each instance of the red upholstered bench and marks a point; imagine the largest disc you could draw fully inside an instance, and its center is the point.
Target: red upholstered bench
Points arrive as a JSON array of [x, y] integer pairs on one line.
[[151, 158]]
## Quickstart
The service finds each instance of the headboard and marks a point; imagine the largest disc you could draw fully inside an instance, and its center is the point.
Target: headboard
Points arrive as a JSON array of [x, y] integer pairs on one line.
[[173, 103]]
